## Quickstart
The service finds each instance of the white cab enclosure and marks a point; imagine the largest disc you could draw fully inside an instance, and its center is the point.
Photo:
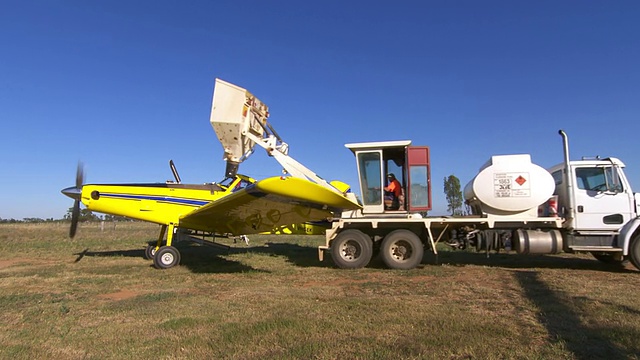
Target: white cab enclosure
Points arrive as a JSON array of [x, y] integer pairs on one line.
[[409, 165], [371, 171]]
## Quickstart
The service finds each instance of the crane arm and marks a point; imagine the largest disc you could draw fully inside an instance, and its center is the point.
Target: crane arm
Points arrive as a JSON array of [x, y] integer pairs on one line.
[[240, 122]]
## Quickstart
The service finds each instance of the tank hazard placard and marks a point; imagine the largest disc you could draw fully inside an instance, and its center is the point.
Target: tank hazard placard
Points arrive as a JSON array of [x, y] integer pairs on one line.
[[511, 185]]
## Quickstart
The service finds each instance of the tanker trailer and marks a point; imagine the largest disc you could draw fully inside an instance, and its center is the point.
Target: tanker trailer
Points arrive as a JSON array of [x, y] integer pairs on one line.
[[510, 186]]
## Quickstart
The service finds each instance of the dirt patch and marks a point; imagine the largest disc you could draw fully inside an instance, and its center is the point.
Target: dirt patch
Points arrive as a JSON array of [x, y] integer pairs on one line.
[[9, 263], [120, 295]]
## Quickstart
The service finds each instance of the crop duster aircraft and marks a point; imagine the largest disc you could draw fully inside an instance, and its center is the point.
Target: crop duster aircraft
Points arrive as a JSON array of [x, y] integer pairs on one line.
[[238, 205]]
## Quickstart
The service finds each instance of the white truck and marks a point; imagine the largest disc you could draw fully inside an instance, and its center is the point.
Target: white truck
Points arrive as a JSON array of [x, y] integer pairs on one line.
[[577, 206]]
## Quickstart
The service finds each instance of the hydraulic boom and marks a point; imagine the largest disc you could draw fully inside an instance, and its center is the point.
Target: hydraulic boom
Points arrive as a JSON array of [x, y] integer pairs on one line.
[[240, 122]]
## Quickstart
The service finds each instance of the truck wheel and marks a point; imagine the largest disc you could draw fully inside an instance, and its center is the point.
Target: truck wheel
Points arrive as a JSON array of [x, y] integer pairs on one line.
[[351, 249], [634, 251], [402, 249]]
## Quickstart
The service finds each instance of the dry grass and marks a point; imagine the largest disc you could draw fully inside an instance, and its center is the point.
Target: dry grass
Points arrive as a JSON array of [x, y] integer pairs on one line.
[[274, 299]]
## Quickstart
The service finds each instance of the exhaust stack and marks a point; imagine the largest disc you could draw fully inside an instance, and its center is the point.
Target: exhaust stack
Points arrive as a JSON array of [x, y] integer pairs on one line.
[[568, 177]]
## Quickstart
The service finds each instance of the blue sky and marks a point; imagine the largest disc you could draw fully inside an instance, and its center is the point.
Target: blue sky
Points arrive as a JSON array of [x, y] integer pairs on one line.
[[124, 86]]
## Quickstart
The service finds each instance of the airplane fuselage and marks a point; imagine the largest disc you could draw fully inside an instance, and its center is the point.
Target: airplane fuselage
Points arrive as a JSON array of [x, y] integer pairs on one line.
[[160, 203]]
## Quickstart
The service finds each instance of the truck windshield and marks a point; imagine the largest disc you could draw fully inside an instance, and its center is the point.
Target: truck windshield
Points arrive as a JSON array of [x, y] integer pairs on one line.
[[598, 179]]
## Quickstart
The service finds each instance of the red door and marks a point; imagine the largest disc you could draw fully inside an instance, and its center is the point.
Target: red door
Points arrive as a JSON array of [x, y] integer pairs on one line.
[[419, 185]]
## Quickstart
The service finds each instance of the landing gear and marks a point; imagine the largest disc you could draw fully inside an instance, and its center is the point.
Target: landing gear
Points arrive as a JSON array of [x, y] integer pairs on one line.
[[149, 252], [166, 257], [163, 254]]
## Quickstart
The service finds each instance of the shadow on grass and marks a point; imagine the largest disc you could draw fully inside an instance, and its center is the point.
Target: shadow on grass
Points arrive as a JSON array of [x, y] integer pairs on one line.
[[122, 253], [564, 325], [515, 261], [303, 256], [198, 259], [207, 259]]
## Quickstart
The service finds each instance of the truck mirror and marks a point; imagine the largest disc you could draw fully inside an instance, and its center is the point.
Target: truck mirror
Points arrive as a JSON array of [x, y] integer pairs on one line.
[[614, 185]]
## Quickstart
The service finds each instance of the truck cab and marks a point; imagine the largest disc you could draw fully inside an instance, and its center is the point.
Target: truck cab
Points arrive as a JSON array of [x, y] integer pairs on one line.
[[410, 166], [596, 198]]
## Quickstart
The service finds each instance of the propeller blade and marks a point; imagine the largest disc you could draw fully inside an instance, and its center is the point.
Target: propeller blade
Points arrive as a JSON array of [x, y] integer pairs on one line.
[[75, 194], [79, 176], [75, 216]]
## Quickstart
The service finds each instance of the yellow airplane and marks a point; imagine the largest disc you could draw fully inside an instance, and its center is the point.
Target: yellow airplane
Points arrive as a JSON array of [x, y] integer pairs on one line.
[[238, 205]]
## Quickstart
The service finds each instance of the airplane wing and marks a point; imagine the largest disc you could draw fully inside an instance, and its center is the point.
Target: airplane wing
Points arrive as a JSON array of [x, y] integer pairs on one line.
[[268, 204]]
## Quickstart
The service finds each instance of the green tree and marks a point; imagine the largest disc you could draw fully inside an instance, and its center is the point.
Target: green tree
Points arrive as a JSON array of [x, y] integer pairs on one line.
[[453, 194], [85, 215], [109, 217]]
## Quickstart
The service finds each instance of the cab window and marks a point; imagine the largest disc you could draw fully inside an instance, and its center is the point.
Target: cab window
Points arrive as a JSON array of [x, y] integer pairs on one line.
[[370, 168], [598, 179]]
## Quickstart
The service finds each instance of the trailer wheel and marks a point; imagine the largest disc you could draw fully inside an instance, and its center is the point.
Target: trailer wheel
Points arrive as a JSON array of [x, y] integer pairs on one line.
[[402, 249], [166, 257], [351, 249], [634, 251]]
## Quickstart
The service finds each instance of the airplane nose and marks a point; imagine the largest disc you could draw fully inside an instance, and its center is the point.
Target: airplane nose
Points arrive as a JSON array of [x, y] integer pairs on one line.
[[73, 192]]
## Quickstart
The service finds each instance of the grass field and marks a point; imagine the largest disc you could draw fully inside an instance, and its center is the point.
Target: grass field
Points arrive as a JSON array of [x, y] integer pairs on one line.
[[95, 297]]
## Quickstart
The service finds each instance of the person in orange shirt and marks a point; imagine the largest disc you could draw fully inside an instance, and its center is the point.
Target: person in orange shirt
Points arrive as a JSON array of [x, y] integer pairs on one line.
[[393, 192]]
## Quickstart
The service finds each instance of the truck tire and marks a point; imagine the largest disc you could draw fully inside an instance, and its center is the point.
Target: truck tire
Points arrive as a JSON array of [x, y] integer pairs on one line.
[[634, 251], [402, 249], [351, 249]]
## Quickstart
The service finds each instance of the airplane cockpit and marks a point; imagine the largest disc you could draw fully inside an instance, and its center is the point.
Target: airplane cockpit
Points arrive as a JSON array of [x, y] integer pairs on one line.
[[236, 183]]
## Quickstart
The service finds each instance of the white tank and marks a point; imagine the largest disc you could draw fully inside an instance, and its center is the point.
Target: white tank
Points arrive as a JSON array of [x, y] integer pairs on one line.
[[509, 185]]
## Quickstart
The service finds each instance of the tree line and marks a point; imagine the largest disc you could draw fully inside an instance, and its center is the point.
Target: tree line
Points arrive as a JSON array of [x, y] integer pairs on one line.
[[85, 215]]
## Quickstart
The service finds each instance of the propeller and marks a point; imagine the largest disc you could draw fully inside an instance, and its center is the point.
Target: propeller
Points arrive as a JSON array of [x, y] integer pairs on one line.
[[75, 193]]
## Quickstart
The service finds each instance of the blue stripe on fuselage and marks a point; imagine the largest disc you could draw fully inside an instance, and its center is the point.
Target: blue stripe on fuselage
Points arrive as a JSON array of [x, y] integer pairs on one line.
[[156, 198]]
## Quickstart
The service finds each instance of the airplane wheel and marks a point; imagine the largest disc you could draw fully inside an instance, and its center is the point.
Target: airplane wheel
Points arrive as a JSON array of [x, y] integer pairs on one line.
[[351, 249], [401, 249], [166, 257], [149, 252]]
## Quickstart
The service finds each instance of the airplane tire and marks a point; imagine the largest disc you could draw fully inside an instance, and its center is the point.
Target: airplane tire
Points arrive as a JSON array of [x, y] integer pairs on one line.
[[634, 251], [149, 252], [351, 249], [166, 257], [401, 249]]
